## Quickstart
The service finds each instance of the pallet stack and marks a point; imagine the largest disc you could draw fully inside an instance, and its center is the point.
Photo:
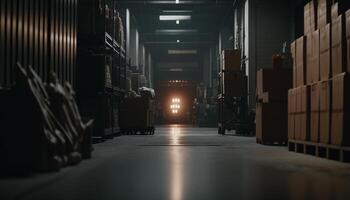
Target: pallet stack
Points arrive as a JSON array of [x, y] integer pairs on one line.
[[317, 105], [271, 107]]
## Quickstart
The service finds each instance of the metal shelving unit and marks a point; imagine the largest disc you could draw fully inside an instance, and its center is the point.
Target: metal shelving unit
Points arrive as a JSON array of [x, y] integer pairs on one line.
[[101, 65]]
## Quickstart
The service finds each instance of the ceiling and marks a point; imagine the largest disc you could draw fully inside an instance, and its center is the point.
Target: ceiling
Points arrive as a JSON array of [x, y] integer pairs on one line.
[[207, 17], [199, 33]]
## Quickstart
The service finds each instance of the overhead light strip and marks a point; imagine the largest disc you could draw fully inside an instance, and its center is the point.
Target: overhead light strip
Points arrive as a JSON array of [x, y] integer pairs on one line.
[[174, 17], [181, 52]]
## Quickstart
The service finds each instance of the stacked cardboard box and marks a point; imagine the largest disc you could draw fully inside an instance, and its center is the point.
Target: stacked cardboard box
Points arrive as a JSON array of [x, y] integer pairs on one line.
[[325, 111], [312, 64], [233, 80], [315, 111], [231, 60], [317, 105], [271, 108], [340, 110]]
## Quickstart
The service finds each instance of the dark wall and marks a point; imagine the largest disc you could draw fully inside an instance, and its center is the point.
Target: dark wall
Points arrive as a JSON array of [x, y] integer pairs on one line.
[[40, 33]]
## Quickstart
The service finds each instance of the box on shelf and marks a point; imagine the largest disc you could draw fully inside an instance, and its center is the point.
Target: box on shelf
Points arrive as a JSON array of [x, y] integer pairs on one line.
[[231, 60], [325, 52], [273, 84], [315, 112], [291, 113], [340, 110], [323, 13], [301, 60], [325, 111], [315, 57], [338, 46], [128, 84], [298, 112], [135, 81]]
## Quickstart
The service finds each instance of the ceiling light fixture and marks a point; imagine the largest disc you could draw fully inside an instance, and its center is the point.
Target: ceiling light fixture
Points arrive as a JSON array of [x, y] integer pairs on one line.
[[177, 1], [181, 52], [174, 17], [178, 41], [177, 11], [177, 21]]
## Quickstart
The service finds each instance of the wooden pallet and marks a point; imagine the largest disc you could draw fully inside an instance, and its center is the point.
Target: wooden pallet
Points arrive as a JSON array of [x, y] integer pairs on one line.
[[271, 143], [328, 151]]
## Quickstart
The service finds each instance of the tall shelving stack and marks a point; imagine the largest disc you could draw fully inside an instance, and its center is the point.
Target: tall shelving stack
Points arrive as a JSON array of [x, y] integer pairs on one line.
[[101, 67]]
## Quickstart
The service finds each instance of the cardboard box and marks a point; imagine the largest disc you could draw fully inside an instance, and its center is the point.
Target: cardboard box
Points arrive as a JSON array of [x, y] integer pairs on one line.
[[310, 17], [231, 60], [298, 114], [135, 81], [340, 134], [347, 20], [339, 8], [315, 58], [291, 113], [234, 83], [323, 13], [301, 61], [334, 11], [309, 53], [325, 52], [302, 118], [271, 122], [325, 110], [338, 46], [315, 112], [268, 90], [293, 53], [305, 113], [307, 18], [313, 14]]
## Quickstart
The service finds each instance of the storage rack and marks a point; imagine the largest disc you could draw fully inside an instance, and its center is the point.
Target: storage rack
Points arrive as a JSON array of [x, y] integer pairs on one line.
[[233, 111], [101, 65]]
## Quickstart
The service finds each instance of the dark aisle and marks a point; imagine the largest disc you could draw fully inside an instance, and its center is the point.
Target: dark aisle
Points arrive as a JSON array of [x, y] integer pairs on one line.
[[187, 163]]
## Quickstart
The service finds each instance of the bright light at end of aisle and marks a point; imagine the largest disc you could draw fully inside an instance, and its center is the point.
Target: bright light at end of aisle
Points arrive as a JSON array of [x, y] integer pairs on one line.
[[175, 105]]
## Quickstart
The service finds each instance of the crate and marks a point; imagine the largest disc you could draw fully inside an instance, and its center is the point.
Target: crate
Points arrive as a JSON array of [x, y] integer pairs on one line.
[[137, 115]]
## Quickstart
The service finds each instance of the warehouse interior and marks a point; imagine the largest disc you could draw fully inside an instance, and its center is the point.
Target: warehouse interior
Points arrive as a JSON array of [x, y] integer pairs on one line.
[[174, 99]]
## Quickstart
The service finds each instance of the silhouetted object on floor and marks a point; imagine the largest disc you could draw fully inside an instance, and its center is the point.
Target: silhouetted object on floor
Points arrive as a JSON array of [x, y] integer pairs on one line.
[[43, 127]]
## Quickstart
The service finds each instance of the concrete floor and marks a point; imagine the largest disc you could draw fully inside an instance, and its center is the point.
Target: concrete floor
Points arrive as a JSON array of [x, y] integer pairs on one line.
[[180, 163]]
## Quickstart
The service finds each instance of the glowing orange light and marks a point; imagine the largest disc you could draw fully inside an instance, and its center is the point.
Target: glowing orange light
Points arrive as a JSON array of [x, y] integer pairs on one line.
[[175, 105]]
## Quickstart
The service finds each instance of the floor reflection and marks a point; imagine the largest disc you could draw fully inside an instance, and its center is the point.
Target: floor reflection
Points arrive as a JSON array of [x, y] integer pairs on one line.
[[176, 185], [175, 134]]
